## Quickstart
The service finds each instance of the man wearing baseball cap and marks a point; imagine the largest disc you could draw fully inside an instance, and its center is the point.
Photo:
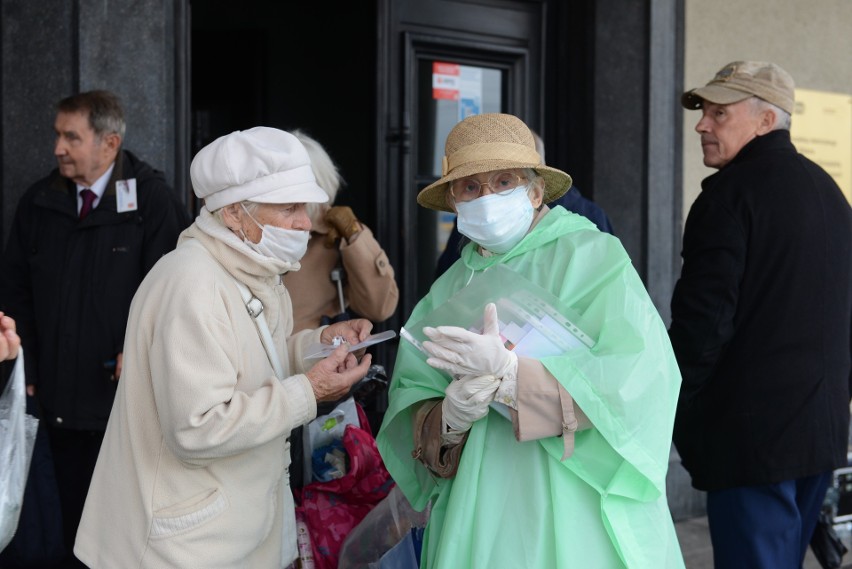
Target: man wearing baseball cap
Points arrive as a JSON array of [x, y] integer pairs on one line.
[[760, 324], [193, 467]]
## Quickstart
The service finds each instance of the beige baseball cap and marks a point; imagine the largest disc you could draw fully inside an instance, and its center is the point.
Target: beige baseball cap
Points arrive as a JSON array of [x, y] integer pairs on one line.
[[740, 80]]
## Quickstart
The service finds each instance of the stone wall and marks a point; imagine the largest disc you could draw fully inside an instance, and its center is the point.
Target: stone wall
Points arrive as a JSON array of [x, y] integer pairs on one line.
[[49, 50]]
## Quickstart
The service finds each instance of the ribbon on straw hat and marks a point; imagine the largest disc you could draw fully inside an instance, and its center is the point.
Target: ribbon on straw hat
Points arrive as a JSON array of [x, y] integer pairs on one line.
[[485, 143]]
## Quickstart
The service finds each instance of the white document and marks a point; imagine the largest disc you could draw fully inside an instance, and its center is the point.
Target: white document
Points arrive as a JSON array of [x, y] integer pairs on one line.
[[320, 351]]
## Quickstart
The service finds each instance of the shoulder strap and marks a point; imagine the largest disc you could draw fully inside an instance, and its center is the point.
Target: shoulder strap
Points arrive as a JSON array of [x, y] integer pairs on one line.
[[255, 309]]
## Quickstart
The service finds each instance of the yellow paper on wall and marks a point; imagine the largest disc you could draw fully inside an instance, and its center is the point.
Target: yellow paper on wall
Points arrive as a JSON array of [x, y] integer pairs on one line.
[[822, 131]]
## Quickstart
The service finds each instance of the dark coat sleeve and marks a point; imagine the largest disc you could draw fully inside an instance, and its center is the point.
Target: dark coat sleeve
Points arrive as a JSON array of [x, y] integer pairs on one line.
[[705, 298], [164, 218]]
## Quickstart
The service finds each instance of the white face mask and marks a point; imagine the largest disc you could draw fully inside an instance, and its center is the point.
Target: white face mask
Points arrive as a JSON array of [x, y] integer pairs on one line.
[[287, 245], [497, 222]]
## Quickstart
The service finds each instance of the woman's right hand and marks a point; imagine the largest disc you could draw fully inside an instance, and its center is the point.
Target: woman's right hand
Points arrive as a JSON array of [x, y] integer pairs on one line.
[[332, 377]]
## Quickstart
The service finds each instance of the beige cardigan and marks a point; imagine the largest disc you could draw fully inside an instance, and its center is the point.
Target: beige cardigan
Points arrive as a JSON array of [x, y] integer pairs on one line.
[[193, 467]]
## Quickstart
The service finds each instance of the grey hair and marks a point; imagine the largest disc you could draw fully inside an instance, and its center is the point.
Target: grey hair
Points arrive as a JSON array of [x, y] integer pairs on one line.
[[532, 176], [782, 117], [325, 171], [539, 145], [250, 207], [103, 107]]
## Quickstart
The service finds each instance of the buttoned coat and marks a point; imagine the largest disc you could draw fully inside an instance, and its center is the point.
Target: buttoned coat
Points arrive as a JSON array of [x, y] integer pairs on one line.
[[193, 467], [760, 321]]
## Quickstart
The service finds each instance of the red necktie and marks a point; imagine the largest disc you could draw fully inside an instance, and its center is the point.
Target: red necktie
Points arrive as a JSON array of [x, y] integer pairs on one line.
[[88, 199]]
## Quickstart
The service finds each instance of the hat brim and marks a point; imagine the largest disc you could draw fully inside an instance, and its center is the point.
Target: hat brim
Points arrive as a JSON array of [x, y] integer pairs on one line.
[[302, 193], [715, 94], [434, 196]]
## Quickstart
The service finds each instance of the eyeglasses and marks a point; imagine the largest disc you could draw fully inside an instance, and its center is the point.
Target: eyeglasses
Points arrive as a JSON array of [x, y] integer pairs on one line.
[[468, 189]]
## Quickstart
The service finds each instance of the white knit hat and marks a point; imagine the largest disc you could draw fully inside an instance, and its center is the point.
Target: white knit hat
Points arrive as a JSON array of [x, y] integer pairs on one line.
[[262, 164]]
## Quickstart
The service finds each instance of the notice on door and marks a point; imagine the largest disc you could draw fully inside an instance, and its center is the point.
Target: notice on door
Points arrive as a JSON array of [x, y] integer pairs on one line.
[[459, 83], [445, 80], [822, 131]]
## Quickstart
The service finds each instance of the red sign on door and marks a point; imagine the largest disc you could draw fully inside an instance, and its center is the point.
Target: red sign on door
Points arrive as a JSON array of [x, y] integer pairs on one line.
[[445, 80]]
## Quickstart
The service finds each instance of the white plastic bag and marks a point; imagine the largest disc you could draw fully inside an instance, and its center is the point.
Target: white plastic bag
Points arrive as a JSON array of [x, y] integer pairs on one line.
[[326, 428], [17, 437]]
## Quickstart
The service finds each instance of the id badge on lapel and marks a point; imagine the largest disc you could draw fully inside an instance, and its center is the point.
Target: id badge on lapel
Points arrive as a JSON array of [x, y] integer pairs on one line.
[[125, 195]]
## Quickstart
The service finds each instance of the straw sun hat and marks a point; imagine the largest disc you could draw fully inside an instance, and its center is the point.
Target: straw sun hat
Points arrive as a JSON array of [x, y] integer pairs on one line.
[[488, 142]]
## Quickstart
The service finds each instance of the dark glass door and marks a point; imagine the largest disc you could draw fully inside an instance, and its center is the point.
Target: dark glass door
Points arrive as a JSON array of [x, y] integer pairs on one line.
[[444, 61], [446, 94]]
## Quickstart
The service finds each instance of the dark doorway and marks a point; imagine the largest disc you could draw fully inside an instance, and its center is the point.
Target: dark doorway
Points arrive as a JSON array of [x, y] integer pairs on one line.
[[365, 92], [289, 65]]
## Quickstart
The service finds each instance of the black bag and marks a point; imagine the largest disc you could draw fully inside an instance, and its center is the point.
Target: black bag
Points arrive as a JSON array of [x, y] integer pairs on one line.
[[826, 544], [38, 541]]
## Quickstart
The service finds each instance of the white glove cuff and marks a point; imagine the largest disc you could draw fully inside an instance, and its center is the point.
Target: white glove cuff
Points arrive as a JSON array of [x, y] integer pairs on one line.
[[449, 436], [450, 422]]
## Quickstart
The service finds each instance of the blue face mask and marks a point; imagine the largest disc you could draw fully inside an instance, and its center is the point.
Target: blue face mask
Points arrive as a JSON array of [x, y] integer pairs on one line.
[[497, 222]]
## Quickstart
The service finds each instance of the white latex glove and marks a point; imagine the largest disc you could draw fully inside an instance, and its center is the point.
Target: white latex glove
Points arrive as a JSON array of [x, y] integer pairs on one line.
[[466, 400], [462, 352]]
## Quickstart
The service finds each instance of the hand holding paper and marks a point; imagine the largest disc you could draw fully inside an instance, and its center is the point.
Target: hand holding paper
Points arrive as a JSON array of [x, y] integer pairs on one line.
[[333, 377], [352, 331], [462, 352]]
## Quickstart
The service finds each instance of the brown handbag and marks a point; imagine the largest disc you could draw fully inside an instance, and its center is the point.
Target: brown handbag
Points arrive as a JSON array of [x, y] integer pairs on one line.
[[442, 461]]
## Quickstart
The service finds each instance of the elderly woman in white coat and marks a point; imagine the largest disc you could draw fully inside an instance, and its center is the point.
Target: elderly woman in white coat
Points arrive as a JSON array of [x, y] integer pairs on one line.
[[193, 468]]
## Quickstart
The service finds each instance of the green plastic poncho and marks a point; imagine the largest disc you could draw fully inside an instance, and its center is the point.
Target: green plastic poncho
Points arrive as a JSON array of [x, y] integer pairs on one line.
[[515, 504]]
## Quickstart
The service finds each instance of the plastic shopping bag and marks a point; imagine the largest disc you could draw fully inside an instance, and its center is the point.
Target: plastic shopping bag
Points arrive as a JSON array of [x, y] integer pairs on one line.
[[332, 509], [389, 536], [17, 437]]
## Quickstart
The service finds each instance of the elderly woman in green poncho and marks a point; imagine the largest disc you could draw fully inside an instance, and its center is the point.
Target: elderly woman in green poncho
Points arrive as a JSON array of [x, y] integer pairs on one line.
[[572, 472]]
